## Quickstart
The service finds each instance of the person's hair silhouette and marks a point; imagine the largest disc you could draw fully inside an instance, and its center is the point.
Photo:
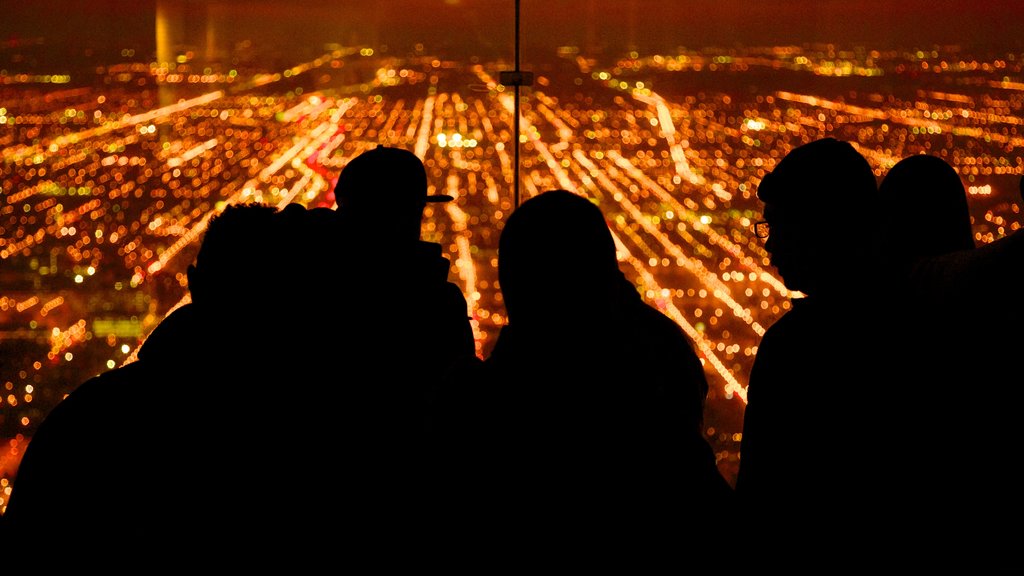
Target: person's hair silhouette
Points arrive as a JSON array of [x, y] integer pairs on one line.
[[926, 205], [821, 206], [555, 250]]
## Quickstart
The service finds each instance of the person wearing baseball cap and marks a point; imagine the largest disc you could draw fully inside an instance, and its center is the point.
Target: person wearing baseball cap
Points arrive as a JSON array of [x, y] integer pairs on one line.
[[385, 188], [400, 324]]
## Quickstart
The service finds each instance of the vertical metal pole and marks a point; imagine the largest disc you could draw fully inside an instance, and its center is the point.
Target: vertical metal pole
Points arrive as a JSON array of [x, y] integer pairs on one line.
[[515, 120]]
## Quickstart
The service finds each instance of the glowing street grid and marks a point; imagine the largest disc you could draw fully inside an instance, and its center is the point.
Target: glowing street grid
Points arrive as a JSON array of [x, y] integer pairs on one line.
[[106, 194]]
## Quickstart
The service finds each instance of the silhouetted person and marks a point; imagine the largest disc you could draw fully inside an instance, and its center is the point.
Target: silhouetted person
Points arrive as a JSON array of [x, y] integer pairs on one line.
[[185, 445], [587, 415], [927, 217], [401, 325], [814, 446], [960, 347], [942, 264], [929, 234]]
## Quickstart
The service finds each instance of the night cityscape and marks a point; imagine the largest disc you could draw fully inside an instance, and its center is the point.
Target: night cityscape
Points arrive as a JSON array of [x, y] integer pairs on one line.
[[116, 154]]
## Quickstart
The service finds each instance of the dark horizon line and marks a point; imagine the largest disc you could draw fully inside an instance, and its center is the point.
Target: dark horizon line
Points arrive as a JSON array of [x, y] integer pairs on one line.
[[478, 25]]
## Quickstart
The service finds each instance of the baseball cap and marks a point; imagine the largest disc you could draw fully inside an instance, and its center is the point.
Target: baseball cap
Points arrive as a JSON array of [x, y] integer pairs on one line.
[[385, 176]]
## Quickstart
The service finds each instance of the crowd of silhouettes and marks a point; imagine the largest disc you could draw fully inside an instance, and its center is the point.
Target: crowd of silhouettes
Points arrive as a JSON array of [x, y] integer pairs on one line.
[[325, 370]]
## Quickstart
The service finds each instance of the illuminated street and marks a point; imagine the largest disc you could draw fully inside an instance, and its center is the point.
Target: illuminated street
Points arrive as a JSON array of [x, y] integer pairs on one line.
[[107, 187]]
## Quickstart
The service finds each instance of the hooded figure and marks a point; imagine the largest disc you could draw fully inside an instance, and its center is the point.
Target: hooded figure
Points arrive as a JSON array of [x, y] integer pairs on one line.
[[590, 406]]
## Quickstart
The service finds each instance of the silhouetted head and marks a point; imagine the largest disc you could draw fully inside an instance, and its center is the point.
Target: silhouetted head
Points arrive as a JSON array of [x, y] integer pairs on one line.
[[255, 263], [556, 255], [926, 207], [385, 189], [822, 207], [233, 256]]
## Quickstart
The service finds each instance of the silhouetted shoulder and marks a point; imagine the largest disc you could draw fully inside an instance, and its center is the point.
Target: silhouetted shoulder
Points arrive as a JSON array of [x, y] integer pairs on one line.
[[70, 441]]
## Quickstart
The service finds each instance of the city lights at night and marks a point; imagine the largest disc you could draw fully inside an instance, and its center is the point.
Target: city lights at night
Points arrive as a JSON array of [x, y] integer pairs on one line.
[[114, 157]]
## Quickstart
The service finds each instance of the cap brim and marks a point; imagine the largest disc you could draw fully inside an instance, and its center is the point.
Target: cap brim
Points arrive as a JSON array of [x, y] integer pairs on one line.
[[439, 198]]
